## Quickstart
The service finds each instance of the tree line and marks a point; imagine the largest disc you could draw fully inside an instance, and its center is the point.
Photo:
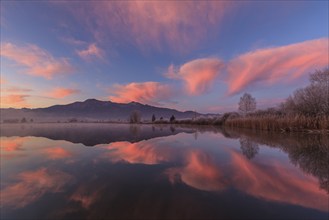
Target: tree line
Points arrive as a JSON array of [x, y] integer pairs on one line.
[[313, 100], [306, 109], [135, 118]]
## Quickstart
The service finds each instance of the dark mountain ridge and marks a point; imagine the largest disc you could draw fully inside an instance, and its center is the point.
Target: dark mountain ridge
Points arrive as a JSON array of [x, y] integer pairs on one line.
[[93, 110]]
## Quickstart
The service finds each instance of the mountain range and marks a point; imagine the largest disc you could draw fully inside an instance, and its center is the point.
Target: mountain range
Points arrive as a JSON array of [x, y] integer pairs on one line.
[[93, 110]]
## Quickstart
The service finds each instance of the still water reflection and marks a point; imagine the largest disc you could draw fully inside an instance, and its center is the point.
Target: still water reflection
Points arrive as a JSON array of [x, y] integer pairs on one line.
[[161, 172]]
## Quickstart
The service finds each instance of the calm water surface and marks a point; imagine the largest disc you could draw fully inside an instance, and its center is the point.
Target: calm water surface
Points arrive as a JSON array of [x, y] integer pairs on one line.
[[99, 171]]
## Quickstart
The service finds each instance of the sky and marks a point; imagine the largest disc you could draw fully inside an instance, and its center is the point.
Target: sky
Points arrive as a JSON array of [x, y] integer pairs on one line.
[[185, 55]]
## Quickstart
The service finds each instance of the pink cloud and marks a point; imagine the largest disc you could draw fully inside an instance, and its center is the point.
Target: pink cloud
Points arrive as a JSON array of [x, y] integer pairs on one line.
[[272, 182], [91, 51], [267, 66], [275, 185], [2, 80], [276, 64], [200, 172], [17, 89], [146, 92], [85, 196], [62, 92], [142, 152], [178, 25], [12, 144], [57, 153], [14, 101], [32, 185], [73, 41], [198, 75], [38, 62]]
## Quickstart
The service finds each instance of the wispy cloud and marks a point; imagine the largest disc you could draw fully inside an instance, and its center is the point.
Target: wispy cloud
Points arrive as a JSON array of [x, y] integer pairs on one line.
[[141, 152], [12, 144], [274, 186], [73, 41], [200, 172], [203, 170], [2, 80], [91, 51], [17, 101], [267, 66], [62, 92], [17, 89], [38, 62], [86, 196], [198, 75], [56, 153], [177, 25], [32, 185], [276, 64], [146, 92]]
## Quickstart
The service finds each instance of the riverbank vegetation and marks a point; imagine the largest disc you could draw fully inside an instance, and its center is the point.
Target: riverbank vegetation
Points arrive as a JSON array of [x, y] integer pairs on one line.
[[282, 122], [307, 109]]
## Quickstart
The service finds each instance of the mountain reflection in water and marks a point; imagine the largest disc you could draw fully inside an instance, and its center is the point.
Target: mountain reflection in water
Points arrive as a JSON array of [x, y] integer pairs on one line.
[[164, 172]]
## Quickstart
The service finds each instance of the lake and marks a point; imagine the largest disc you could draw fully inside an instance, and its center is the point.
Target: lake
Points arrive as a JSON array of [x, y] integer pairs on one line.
[[117, 171]]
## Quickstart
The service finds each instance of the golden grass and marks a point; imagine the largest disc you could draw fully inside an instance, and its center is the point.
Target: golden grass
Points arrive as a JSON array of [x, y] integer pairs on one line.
[[280, 123]]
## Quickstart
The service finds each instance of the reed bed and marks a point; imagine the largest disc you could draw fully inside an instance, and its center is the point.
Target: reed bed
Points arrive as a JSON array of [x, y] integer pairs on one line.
[[285, 123], [262, 121]]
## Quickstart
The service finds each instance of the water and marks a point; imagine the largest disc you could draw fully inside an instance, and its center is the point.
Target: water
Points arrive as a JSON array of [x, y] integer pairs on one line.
[[102, 171]]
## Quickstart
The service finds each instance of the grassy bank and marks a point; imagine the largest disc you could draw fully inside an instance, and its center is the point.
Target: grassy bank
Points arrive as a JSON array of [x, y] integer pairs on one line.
[[282, 123], [285, 123]]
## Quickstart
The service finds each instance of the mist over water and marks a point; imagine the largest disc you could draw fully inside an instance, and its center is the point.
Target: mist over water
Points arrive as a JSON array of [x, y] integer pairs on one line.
[[116, 171]]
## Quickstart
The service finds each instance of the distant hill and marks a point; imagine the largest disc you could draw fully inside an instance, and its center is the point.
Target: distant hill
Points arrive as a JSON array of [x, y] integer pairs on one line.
[[92, 110]]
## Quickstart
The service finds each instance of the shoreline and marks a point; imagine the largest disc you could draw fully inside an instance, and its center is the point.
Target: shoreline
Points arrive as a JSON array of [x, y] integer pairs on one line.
[[226, 125]]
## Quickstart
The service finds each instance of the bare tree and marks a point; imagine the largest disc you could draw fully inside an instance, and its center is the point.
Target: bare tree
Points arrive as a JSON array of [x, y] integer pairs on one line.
[[23, 120], [320, 80], [248, 147], [135, 117], [320, 76], [153, 118], [172, 118], [247, 103], [313, 99]]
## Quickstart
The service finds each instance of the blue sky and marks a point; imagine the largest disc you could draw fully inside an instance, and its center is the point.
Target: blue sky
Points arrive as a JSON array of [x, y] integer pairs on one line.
[[186, 55]]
